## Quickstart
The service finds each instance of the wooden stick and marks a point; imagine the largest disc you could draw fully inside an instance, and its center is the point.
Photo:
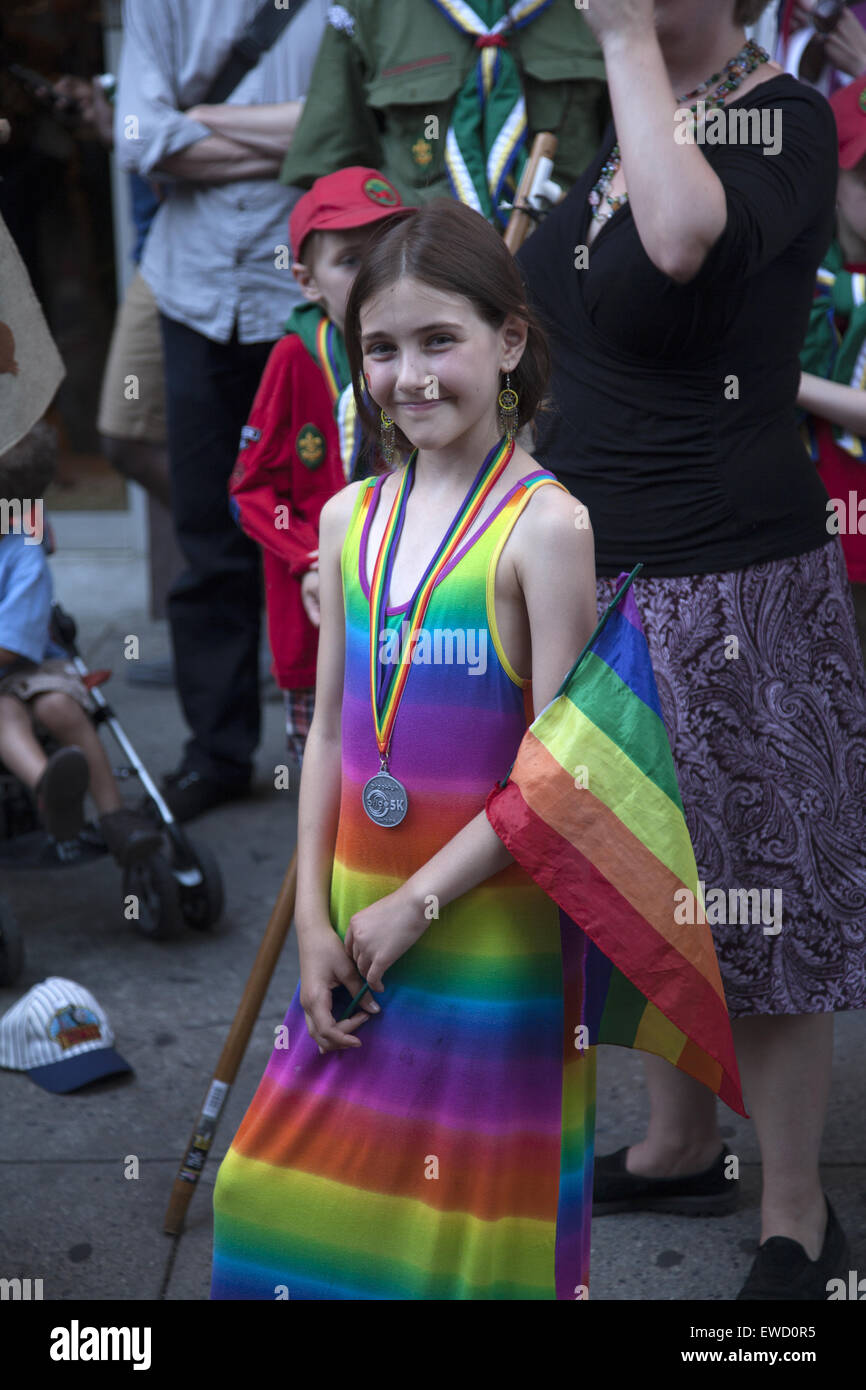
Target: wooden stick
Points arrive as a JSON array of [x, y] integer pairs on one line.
[[519, 223], [233, 1052]]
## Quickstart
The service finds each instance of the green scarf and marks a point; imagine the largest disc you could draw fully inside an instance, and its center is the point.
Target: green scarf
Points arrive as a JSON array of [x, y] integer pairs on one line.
[[326, 347], [485, 145]]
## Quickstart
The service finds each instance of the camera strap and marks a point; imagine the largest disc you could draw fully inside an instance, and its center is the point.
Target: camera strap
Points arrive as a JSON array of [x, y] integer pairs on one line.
[[259, 36]]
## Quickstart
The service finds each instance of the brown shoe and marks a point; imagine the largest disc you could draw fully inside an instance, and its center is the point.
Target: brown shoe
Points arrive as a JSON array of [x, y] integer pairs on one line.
[[129, 835], [60, 793]]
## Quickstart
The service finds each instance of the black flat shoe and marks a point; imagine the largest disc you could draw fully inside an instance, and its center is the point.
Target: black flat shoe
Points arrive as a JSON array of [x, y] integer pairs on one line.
[[783, 1271], [708, 1193]]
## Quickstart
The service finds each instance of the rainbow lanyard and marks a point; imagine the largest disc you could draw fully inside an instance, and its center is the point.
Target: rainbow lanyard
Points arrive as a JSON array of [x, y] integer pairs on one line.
[[326, 353], [386, 689]]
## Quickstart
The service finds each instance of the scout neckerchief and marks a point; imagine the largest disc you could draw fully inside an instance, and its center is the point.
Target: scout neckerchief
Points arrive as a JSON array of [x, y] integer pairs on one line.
[[384, 798], [485, 142], [324, 342], [830, 353]]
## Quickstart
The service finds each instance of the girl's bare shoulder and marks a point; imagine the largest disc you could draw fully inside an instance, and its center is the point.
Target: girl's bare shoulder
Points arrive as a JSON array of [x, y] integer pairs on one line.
[[551, 508], [337, 512]]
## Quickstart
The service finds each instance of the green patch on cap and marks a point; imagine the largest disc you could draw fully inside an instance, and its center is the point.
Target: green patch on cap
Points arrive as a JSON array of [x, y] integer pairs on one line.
[[311, 446], [382, 192], [861, 101]]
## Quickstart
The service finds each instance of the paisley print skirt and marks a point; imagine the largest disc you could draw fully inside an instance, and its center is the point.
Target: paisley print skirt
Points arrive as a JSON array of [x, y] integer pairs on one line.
[[763, 690]]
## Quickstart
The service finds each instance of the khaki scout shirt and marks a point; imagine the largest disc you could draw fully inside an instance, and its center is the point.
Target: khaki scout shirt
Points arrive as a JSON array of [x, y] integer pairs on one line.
[[385, 67]]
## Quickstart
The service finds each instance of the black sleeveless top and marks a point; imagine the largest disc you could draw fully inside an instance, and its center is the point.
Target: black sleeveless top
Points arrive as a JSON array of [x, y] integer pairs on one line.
[[673, 414]]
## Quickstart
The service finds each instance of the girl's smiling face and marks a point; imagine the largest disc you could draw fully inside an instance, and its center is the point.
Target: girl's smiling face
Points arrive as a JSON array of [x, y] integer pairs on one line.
[[434, 365]]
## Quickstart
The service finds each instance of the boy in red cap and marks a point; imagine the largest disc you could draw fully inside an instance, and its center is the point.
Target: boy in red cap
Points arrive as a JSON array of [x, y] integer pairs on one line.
[[290, 460], [833, 384]]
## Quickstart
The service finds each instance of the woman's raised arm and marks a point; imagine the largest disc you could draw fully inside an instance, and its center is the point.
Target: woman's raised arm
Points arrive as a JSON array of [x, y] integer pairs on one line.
[[677, 202]]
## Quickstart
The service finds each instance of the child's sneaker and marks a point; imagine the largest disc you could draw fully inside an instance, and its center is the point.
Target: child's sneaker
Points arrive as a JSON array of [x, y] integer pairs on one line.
[[129, 835], [60, 793]]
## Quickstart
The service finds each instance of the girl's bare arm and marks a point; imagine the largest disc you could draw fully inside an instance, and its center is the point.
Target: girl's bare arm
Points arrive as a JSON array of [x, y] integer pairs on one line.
[[319, 801]]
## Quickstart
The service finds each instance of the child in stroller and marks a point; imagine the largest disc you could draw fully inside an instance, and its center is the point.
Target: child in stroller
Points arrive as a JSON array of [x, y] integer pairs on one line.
[[40, 687]]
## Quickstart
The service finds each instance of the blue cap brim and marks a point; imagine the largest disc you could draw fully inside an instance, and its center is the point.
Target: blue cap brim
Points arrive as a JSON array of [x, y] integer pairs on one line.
[[74, 1072]]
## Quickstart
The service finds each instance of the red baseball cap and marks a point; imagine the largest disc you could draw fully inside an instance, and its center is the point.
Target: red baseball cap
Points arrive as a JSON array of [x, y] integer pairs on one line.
[[352, 197], [849, 108]]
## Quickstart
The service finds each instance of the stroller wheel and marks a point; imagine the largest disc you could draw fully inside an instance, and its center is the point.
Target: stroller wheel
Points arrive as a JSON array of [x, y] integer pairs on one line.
[[11, 946], [202, 903], [150, 895]]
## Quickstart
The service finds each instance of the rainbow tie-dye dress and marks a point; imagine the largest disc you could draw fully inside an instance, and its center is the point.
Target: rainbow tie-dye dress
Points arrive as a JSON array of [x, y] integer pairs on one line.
[[450, 1156]]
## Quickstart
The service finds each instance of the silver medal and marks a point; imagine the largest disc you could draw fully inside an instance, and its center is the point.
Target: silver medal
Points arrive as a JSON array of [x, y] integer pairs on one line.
[[385, 799]]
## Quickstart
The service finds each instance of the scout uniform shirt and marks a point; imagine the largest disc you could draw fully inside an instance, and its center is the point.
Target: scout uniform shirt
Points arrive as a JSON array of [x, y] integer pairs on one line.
[[288, 466], [387, 76]]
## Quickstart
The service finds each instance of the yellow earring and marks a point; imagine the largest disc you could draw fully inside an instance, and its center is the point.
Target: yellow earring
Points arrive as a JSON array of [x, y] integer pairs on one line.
[[386, 437], [508, 403]]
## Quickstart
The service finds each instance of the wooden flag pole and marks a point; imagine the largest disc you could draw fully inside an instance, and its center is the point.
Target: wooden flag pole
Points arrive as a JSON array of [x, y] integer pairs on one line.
[[232, 1055], [534, 191]]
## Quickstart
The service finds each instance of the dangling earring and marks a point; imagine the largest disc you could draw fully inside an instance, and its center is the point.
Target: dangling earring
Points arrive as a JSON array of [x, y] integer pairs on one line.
[[508, 403], [386, 437]]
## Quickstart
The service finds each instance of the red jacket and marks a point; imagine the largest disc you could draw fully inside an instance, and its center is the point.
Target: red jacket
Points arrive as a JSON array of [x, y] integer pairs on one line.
[[288, 466]]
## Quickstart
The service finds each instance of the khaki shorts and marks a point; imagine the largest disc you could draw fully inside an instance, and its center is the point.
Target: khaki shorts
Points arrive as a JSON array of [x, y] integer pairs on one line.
[[56, 673], [132, 404]]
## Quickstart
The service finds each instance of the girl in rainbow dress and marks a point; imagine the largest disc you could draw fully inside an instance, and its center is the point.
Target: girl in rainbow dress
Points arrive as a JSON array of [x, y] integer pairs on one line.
[[445, 1150]]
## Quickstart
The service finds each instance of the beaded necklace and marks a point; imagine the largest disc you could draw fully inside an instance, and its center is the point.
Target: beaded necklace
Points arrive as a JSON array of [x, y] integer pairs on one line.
[[735, 71]]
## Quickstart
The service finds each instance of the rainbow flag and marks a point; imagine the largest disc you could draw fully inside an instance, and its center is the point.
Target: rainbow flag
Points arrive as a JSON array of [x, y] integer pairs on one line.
[[591, 809]]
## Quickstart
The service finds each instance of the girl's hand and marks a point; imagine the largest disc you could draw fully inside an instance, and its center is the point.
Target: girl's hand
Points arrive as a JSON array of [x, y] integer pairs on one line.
[[324, 966], [611, 18], [310, 596], [383, 932]]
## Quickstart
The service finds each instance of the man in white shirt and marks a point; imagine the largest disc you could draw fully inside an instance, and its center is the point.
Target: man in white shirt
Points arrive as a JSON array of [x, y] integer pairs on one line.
[[216, 262]]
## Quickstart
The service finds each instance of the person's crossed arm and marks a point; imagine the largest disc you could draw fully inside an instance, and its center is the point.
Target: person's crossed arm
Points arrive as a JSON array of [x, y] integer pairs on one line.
[[267, 128], [206, 144], [221, 159]]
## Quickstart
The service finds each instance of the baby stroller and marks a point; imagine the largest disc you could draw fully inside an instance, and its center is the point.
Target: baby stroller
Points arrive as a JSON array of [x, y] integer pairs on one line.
[[179, 885]]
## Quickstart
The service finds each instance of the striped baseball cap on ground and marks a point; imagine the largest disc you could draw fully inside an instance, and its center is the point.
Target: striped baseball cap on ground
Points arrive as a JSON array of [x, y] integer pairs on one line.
[[60, 1036]]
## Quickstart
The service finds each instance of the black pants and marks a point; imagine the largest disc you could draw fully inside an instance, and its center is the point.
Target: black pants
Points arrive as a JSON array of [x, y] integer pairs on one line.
[[214, 607]]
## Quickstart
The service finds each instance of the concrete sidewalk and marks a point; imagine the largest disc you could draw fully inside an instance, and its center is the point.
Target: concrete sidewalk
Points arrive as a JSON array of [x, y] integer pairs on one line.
[[70, 1217]]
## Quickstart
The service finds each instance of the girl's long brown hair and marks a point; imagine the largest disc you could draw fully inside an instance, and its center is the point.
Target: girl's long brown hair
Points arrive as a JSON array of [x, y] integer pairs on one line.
[[451, 248]]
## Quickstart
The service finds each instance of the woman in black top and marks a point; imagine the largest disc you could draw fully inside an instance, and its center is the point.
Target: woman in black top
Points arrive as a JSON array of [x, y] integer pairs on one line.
[[675, 340]]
